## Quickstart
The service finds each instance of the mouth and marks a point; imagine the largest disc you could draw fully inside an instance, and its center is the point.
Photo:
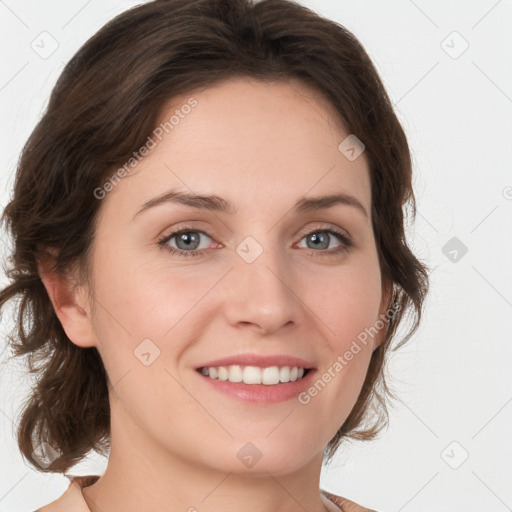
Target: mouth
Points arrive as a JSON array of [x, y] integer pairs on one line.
[[255, 375]]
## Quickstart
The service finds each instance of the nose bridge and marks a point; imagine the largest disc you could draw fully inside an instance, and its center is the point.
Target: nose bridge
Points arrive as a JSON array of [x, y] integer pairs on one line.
[[261, 285]]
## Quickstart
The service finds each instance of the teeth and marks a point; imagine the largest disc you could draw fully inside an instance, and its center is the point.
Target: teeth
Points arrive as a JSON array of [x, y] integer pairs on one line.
[[235, 373], [254, 374], [223, 373], [284, 374]]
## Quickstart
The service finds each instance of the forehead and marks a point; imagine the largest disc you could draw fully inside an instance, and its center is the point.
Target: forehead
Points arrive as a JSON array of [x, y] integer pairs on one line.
[[252, 142]]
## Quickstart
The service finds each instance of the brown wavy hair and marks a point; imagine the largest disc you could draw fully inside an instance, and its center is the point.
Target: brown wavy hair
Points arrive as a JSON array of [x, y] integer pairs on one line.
[[103, 107]]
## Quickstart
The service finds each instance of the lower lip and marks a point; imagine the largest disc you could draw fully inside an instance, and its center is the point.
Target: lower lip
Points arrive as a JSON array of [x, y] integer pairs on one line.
[[261, 393]]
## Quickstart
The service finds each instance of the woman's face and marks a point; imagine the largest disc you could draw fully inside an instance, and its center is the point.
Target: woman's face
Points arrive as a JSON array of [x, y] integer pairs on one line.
[[263, 278]]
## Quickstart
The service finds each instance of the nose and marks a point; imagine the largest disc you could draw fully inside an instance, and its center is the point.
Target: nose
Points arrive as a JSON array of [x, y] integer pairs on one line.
[[263, 294]]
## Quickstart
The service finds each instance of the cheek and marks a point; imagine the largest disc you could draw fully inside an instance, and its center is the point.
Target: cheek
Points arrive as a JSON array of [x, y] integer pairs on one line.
[[144, 313], [347, 300], [138, 299]]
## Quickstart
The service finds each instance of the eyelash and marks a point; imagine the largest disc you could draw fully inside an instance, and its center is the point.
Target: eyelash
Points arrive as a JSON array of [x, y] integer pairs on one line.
[[346, 242]]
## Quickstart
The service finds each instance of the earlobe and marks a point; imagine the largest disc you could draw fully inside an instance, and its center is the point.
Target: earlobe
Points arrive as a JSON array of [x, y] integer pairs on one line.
[[69, 303]]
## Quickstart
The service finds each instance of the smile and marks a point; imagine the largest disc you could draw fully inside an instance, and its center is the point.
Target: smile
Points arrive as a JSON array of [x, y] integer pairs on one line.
[[270, 376]]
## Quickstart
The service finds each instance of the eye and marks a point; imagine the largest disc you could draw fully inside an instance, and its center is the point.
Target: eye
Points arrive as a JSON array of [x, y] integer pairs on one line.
[[321, 238], [188, 240]]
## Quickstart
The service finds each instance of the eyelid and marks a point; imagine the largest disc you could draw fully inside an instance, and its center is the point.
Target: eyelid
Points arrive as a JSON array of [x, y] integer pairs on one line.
[[179, 230], [321, 226], [345, 239]]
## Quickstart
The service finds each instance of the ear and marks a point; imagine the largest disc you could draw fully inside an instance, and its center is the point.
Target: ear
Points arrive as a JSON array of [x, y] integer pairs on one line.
[[385, 312], [70, 302]]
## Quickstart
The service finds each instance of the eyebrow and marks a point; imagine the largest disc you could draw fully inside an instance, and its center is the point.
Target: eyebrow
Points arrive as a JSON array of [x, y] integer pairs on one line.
[[218, 204]]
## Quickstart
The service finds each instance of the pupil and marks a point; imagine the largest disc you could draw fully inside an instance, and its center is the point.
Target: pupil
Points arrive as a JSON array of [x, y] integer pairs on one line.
[[317, 237], [187, 238]]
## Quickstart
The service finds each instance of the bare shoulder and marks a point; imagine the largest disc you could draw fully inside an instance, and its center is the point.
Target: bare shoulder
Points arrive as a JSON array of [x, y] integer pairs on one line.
[[346, 505], [72, 498]]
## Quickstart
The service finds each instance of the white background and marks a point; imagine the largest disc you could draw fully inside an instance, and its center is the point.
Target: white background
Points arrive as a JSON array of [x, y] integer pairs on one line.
[[454, 377]]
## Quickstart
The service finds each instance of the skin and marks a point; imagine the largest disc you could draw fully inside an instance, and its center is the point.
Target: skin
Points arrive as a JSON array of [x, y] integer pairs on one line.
[[175, 440]]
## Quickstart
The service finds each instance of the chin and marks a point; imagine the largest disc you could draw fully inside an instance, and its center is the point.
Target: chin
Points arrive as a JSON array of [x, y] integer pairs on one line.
[[260, 456]]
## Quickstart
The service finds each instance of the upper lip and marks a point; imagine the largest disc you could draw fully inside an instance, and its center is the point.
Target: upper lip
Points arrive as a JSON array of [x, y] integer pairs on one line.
[[263, 361]]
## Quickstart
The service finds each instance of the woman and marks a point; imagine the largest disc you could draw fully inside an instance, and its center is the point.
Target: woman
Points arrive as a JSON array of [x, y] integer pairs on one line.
[[210, 254]]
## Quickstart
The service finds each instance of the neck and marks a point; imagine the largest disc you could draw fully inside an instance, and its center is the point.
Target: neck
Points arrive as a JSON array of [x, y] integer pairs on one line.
[[143, 475]]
